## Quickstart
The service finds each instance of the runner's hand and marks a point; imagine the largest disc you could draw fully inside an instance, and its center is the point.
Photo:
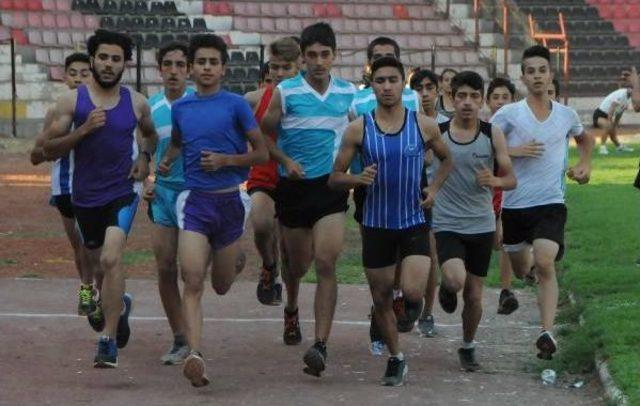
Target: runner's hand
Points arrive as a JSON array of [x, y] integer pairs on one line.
[[294, 170], [140, 169], [163, 167], [531, 149], [96, 119], [212, 161], [149, 191], [429, 198], [580, 173], [368, 175], [484, 177]]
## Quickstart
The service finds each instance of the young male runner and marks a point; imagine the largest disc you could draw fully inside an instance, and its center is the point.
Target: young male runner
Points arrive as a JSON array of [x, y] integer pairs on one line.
[[163, 194], [284, 55], [444, 104], [463, 218], [76, 72], [105, 116], [607, 116], [425, 83], [365, 102], [537, 131], [211, 128], [311, 111], [392, 140], [499, 93]]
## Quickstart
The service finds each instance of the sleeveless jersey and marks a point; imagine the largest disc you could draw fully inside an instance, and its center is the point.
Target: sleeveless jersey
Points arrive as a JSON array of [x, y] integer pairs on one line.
[[265, 175], [393, 199], [103, 159], [62, 175]]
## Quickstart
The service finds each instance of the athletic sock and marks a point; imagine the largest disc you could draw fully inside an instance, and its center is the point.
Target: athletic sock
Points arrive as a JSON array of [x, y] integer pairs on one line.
[[87, 286], [399, 356], [124, 308], [397, 293], [468, 346]]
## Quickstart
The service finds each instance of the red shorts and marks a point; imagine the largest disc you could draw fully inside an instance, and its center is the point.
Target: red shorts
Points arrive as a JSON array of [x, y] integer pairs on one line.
[[263, 176], [497, 201]]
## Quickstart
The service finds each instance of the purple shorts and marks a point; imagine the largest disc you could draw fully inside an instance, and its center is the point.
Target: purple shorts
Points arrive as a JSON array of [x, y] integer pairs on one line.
[[219, 216]]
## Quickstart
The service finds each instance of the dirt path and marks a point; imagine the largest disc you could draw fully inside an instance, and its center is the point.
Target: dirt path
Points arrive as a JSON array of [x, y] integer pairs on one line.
[[47, 354]]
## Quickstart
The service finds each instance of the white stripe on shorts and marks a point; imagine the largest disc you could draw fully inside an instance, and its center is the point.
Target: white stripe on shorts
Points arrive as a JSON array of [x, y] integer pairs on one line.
[[180, 203]]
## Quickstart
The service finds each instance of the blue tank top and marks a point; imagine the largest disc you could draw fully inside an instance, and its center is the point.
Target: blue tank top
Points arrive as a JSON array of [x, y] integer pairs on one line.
[[393, 200], [103, 159]]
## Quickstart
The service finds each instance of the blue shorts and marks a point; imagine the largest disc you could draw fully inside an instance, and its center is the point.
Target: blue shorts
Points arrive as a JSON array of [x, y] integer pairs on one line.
[[218, 216], [162, 209], [94, 221]]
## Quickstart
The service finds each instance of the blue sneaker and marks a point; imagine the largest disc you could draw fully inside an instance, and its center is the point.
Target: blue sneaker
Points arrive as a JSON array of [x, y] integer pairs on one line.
[[122, 336], [107, 354]]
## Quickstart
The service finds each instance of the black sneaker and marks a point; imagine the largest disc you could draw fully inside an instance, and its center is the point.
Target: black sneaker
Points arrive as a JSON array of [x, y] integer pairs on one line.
[[315, 358], [107, 353], [507, 303], [124, 331], [395, 373], [468, 359], [292, 334], [427, 326], [448, 301], [96, 318], [412, 311], [547, 345], [269, 292]]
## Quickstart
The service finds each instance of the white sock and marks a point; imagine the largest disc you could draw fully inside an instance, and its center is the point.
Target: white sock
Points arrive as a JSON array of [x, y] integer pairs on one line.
[[468, 346], [399, 356], [397, 293]]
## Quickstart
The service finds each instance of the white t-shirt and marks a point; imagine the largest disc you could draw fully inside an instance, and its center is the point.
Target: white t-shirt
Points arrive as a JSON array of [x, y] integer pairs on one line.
[[541, 180], [621, 96]]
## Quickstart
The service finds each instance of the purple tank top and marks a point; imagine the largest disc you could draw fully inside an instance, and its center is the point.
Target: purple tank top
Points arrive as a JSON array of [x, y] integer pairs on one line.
[[103, 159]]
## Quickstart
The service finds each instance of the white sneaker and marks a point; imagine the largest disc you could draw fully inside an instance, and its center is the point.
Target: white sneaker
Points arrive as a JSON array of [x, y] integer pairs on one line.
[[604, 150], [624, 148], [176, 355]]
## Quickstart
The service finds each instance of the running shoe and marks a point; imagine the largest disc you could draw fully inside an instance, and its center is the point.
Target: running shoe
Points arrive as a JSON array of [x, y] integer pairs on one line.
[[377, 346], [86, 304], [531, 278], [396, 372], [315, 358], [427, 326], [124, 332], [448, 300], [603, 150], [269, 291], [292, 334], [107, 353], [407, 319], [624, 148], [547, 345], [96, 318], [194, 369], [468, 359], [508, 303], [176, 354]]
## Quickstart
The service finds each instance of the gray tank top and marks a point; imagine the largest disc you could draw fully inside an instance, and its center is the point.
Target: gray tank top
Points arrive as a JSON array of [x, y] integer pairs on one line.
[[461, 205]]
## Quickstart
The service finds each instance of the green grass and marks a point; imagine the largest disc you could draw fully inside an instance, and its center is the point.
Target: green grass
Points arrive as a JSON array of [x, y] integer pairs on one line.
[[137, 257], [599, 267]]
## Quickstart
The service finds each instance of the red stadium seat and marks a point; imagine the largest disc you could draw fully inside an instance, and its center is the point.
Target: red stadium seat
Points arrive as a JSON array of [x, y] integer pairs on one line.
[[35, 5], [20, 5], [19, 37], [209, 7], [224, 8], [77, 21], [91, 22], [6, 5], [34, 19], [49, 5], [319, 10], [634, 27], [634, 11], [63, 5], [619, 13], [19, 19], [49, 20], [62, 21], [400, 11], [606, 11], [333, 10]]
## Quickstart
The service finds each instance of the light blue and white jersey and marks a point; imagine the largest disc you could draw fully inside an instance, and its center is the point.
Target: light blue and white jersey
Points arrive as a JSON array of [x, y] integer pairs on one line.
[[62, 175], [161, 116], [312, 124], [365, 102]]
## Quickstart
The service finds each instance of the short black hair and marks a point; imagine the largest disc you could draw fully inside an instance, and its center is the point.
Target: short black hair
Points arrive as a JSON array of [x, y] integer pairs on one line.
[[501, 82], [467, 78], [320, 33], [111, 38], [171, 46], [264, 71], [387, 61], [76, 57], [535, 51], [383, 41], [421, 74], [556, 85], [446, 70], [207, 41]]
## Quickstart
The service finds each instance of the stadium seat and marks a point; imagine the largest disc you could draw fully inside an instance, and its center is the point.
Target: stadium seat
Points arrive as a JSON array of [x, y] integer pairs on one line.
[[126, 7], [64, 39], [49, 38], [151, 24], [110, 7], [184, 24], [237, 58], [78, 5], [123, 24], [137, 23], [93, 6], [182, 38], [253, 75], [167, 38], [49, 20], [199, 25], [18, 19], [49, 5], [78, 37], [168, 24], [224, 8], [35, 37], [137, 38], [157, 7], [34, 5], [170, 8], [34, 20], [62, 21], [42, 56], [141, 7], [77, 21], [91, 22], [107, 23], [151, 41], [634, 27], [63, 5], [333, 10]]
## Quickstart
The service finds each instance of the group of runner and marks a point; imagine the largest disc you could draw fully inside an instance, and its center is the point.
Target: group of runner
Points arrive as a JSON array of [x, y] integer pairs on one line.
[[426, 173]]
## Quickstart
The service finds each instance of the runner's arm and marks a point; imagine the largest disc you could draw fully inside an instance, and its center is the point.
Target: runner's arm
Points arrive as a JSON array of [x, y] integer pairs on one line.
[[148, 140], [257, 155], [172, 152], [351, 141], [432, 139], [58, 140], [507, 180], [37, 153], [271, 119]]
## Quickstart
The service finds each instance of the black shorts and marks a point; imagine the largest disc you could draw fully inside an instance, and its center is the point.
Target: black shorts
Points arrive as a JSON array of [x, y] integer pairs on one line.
[[301, 203], [359, 195], [94, 221], [63, 204], [473, 249], [532, 223], [383, 247], [268, 191], [597, 113]]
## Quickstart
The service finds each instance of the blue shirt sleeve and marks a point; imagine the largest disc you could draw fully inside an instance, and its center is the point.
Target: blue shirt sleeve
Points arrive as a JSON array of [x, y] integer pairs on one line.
[[244, 116], [175, 119]]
